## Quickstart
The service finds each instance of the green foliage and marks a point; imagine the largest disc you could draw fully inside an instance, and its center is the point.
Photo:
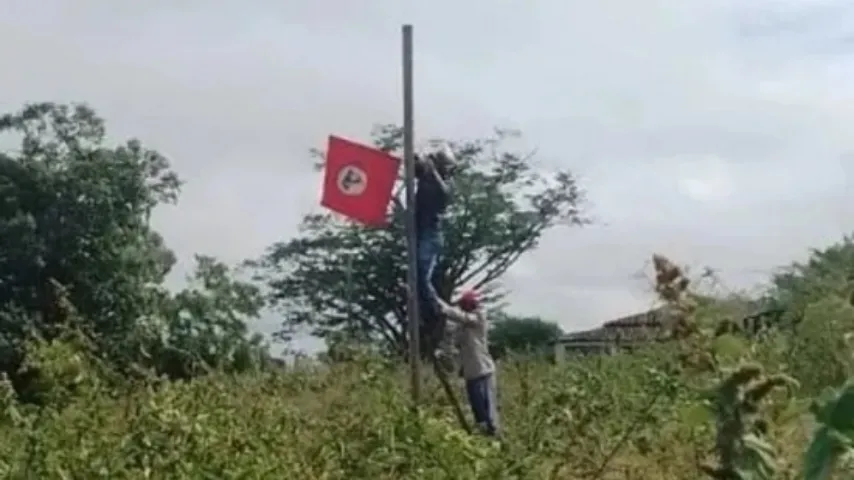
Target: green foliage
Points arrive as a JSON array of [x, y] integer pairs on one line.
[[74, 230], [827, 273], [741, 447], [204, 326], [75, 210], [104, 373], [347, 420], [833, 439], [823, 338], [626, 416], [335, 276], [521, 334]]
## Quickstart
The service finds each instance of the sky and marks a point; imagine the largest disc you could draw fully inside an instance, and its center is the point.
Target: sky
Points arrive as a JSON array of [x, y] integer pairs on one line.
[[719, 132]]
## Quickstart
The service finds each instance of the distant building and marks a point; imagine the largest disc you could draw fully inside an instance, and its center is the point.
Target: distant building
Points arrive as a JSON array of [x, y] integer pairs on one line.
[[652, 326], [622, 333]]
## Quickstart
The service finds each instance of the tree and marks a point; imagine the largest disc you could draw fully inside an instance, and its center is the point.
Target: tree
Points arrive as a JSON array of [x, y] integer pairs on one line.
[[74, 228], [521, 334], [817, 297], [337, 277], [75, 211], [827, 272], [204, 326]]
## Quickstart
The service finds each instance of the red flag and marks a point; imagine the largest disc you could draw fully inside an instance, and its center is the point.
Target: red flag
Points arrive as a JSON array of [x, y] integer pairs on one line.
[[358, 181]]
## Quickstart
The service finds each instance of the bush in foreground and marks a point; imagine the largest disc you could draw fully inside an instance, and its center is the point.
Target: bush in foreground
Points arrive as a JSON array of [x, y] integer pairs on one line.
[[608, 417], [699, 406]]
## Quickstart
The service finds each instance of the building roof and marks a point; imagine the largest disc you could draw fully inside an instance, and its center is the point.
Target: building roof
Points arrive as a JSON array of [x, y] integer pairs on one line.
[[651, 326], [644, 326]]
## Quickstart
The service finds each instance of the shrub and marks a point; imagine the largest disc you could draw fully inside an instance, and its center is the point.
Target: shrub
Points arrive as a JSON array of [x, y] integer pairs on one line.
[[700, 405]]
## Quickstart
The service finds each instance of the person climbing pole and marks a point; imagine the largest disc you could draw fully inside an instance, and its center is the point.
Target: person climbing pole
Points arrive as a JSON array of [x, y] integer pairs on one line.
[[478, 367], [432, 195]]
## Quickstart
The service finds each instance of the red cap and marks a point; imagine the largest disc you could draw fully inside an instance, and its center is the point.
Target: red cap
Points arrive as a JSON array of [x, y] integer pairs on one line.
[[469, 300]]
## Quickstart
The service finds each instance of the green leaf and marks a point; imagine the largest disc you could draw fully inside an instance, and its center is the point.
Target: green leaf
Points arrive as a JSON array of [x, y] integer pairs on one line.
[[841, 414], [696, 415], [820, 456], [794, 410], [730, 347], [759, 459]]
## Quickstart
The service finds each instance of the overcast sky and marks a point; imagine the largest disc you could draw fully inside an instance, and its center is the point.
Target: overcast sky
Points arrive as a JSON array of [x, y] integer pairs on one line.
[[717, 131]]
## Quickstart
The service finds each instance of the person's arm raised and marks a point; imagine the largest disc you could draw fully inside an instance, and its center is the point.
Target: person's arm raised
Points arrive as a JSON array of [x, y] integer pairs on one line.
[[458, 315], [446, 189], [432, 171]]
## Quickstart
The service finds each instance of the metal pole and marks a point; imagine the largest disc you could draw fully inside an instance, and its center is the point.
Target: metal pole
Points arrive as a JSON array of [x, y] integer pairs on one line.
[[409, 162]]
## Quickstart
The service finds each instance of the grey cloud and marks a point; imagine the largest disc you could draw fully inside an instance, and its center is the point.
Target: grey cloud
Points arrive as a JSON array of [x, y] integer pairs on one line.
[[807, 27]]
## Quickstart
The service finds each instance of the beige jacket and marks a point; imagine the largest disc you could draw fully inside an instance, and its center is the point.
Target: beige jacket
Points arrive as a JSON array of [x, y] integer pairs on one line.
[[472, 341]]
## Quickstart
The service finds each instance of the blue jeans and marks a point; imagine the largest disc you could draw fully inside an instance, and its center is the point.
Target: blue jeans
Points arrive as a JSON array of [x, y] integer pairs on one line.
[[484, 402], [429, 248]]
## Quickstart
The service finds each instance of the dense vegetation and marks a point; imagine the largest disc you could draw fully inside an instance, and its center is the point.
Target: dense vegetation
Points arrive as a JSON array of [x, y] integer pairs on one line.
[[108, 374]]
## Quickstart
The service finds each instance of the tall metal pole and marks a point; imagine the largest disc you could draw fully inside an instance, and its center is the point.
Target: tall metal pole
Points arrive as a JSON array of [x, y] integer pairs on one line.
[[411, 240]]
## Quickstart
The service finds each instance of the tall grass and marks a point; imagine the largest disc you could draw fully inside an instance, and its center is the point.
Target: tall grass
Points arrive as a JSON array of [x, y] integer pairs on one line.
[[704, 405]]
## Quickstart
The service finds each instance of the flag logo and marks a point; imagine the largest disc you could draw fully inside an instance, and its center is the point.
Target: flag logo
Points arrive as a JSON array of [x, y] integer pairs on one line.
[[352, 180]]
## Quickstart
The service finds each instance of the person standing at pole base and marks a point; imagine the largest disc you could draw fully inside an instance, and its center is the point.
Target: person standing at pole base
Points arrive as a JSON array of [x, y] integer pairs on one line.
[[432, 171], [478, 367]]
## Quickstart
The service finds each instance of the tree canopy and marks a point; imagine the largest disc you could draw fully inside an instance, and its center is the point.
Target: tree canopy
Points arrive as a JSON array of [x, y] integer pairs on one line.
[[510, 333], [74, 222], [335, 276], [827, 271]]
